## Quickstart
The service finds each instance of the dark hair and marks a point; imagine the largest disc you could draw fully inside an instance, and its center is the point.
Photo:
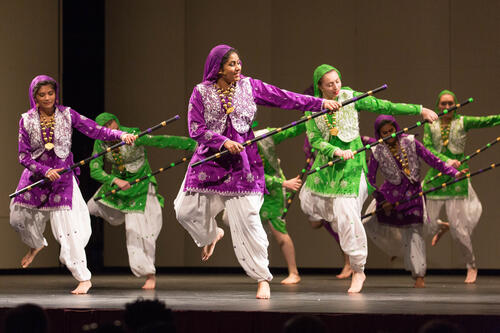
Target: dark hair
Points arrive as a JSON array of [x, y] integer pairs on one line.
[[385, 122], [26, 318], [144, 312], [226, 56], [304, 324], [37, 87]]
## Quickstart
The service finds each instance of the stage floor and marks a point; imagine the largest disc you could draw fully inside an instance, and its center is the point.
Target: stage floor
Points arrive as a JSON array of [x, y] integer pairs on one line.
[[383, 294]]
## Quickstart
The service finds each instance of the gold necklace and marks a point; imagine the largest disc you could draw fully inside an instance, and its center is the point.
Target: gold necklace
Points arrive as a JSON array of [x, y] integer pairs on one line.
[[401, 157], [117, 156], [226, 96], [332, 126], [48, 123], [445, 133]]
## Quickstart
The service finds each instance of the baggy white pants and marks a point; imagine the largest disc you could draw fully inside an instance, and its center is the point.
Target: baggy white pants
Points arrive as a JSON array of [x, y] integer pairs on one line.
[[71, 229], [344, 215], [463, 215], [142, 230], [196, 213], [407, 242]]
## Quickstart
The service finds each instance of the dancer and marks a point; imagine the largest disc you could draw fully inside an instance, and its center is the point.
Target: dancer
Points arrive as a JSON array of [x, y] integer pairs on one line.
[[398, 161], [138, 206], [275, 200], [446, 139], [221, 110], [336, 194], [44, 150]]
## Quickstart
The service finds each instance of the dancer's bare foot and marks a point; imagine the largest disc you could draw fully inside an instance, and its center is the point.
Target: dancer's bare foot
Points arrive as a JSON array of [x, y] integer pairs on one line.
[[443, 228], [28, 258], [150, 282], [263, 290], [292, 278], [419, 283], [346, 272], [208, 250], [471, 275], [358, 278], [82, 288]]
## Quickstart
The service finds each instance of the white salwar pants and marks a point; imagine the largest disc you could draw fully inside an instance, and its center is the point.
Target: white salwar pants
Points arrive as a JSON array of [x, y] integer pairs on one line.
[[196, 213], [142, 230], [71, 229], [344, 215], [407, 242], [463, 215]]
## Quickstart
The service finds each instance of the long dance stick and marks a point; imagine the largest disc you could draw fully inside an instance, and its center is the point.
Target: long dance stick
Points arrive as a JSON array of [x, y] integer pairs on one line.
[[292, 124], [443, 185], [302, 175], [90, 158], [149, 175], [468, 157], [393, 135]]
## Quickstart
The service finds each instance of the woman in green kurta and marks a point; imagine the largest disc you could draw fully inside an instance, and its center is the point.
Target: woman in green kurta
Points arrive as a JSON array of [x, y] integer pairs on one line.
[[139, 205], [446, 139], [274, 202], [336, 194]]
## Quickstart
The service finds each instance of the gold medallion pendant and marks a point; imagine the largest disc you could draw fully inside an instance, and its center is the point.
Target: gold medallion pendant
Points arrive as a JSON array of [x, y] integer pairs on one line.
[[49, 146], [121, 167], [334, 131], [445, 143], [229, 110], [407, 171]]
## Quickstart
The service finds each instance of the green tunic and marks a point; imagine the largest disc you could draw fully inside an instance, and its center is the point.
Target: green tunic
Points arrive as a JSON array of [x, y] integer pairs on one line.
[[274, 202], [134, 164], [342, 180], [454, 150]]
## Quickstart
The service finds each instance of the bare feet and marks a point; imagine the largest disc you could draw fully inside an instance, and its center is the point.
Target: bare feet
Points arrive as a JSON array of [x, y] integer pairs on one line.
[[471, 275], [82, 288], [346, 272], [208, 250], [291, 279], [28, 258], [150, 282], [358, 278], [263, 290], [419, 283], [443, 228]]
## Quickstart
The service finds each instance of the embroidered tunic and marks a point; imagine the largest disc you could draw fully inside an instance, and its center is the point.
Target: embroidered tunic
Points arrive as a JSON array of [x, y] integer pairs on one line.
[[454, 150], [274, 202], [135, 165], [342, 180], [38, 161], [398, 186], [243, 173]]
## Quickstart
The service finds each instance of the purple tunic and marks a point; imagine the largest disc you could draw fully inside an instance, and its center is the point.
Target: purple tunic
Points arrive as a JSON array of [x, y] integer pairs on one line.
[[209, 125], [38, 161], [398, 186]]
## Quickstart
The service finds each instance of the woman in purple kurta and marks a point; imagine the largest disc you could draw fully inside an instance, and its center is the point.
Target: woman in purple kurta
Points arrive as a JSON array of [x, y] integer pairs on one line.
[[220, 113], [398, 161], [44, 149]]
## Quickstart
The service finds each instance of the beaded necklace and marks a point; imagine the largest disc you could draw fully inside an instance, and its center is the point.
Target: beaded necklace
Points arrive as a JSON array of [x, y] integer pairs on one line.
[[332, 126], [48, 123], [117, 156], [401, 157], [445, 133], [226, 96]]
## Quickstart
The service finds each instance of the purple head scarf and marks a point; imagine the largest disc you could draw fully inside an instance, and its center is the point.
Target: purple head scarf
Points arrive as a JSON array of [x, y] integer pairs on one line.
[[37, 80], [213, 62], [383, 119]]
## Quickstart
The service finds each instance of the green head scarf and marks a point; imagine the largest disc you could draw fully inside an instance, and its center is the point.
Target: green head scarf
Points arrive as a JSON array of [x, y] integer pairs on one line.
[[446, 92], [318, 74], [104, 117]]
